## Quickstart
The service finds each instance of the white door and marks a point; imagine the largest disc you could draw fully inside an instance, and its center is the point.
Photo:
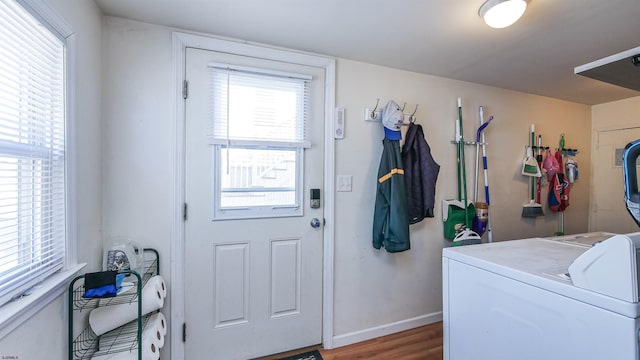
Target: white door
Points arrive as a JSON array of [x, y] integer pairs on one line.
[[609, 212], [253, 286]]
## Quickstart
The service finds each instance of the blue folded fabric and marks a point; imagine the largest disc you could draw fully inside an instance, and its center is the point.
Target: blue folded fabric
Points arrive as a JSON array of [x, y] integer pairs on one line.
[[102, 284], [101, 292]]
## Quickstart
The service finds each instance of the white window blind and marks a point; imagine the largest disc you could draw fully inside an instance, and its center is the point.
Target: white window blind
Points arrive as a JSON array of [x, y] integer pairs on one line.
[[32, 151], [258, 107]]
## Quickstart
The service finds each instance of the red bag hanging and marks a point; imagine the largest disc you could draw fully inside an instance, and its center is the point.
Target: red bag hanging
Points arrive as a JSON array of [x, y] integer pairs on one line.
[[550, 165], [558, 193], [564, 192]]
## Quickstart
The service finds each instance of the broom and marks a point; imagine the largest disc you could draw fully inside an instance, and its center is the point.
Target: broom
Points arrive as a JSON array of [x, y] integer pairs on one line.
[[465, 236], [531, 208]]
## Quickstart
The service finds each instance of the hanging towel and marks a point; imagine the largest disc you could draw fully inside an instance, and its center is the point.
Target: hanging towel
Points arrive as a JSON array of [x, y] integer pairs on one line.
[[390, 218], [420, 174]]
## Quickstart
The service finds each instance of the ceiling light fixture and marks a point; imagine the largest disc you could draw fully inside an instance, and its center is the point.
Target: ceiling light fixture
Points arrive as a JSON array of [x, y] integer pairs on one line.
[[502, 13]]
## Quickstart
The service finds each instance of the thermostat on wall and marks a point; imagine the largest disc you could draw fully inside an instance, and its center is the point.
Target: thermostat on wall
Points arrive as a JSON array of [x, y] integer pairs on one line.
[[339, 130]]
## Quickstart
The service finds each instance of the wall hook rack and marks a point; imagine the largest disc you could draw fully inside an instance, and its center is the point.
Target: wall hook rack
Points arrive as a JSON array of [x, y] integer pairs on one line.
[[412, 117], [569, 152], [468, 142], [375, 114]]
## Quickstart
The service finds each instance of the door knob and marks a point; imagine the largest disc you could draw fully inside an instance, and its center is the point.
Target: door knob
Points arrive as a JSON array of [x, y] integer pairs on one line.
[[315, 223]]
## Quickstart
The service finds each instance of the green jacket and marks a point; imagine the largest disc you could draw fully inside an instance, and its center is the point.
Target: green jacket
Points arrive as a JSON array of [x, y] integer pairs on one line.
[[391, 218]]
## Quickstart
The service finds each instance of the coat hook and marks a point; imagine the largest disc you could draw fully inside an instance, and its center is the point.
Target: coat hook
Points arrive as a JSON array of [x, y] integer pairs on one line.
[[412, 116], [373, 112], [403, 106]]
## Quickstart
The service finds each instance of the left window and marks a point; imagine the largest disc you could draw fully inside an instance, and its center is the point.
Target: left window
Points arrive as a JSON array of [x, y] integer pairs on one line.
[[33, 182]]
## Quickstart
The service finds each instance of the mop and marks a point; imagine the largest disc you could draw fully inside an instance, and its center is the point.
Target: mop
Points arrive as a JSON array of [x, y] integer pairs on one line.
[[486, 180], [482, 221]]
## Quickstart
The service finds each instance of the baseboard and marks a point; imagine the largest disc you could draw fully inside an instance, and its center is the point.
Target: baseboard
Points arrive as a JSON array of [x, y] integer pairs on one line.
[[387, 329]]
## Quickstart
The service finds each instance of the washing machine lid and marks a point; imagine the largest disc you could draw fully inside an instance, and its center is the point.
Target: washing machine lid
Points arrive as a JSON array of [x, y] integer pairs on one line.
[[539, 262], [609, 267]]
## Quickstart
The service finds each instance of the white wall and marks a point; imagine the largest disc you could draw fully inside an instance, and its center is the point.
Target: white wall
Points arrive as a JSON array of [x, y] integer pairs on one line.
[[373, 288], [374, 291], [138, 137], [44, 335]]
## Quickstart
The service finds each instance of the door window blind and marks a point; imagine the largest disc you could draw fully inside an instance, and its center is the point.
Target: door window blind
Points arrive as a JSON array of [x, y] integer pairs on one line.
[[32, 151], [258, 107]]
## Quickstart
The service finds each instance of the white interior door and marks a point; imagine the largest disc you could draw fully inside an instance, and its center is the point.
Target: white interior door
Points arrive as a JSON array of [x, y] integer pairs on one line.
[[609, 212], [253, 286]]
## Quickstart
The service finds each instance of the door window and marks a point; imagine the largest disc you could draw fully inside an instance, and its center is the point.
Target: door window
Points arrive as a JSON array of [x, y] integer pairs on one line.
[[258, 133]]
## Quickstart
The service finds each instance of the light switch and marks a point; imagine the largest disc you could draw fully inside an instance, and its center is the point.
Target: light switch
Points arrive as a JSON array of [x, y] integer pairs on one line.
[[344, 183]]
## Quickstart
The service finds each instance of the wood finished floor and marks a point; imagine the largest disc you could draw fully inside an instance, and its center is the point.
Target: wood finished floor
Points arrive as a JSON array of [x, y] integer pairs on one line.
[[423, 343]]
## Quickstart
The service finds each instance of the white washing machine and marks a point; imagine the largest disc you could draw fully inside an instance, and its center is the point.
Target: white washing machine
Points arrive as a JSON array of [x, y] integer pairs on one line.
[[559, 298]]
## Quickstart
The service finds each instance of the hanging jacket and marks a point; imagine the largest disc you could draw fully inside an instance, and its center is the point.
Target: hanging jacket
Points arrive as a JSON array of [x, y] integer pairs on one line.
[[420, 174], [390, 218]]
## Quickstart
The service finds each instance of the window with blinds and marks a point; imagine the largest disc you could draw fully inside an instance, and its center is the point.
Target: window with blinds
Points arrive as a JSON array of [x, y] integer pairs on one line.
[[258, 134], [32, 151]]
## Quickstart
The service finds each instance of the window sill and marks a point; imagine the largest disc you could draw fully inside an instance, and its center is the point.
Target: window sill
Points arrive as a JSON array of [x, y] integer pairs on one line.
[[16, 312]]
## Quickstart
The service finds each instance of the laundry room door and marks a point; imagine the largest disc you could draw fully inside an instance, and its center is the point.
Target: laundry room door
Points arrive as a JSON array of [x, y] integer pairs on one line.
[[609, 212], [253, 243]]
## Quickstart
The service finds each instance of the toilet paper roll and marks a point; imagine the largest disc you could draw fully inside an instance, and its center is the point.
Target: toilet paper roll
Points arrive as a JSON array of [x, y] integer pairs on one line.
[[107, 318], [158, 281], [151, 339], [155, 328], [162, 321]]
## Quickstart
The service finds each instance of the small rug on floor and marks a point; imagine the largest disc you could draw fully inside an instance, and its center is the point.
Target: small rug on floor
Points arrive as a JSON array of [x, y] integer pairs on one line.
[[311, 355]]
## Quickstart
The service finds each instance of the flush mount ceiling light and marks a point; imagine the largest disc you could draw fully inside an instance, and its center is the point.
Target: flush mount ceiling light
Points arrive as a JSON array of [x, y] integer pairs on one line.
[[502, 13]]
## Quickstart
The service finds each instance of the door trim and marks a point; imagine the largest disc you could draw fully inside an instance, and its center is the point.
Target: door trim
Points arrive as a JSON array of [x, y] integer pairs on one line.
[[595, 148], [180, 42]]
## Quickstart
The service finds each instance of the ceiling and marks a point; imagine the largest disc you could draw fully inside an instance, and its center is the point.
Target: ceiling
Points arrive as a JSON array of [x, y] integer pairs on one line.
[[536, 55]]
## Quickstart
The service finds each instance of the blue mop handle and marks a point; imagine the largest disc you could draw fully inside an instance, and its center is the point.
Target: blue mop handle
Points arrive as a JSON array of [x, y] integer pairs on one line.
[[484, 161], [486, 187]]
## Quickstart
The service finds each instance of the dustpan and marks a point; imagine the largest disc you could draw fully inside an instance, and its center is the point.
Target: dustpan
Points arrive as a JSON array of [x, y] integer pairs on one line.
[[530, 164], [456, 217], [466, 237]]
